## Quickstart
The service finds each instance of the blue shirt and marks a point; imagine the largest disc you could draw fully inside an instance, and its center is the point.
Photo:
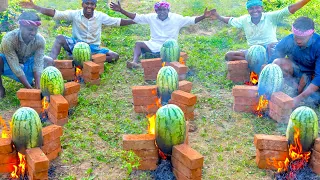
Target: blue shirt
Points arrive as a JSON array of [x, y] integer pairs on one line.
[[306, 58]]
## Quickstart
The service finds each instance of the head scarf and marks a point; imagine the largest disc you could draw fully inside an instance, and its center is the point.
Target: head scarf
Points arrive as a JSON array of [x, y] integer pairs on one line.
[[251, 3], [161, 4], [94, 1], [302, 33], [24, 22]]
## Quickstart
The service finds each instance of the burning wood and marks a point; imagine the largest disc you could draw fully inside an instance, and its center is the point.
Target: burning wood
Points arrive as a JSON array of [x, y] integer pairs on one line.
[[45, 105], [253, 79], [262, 106], [19, 171]]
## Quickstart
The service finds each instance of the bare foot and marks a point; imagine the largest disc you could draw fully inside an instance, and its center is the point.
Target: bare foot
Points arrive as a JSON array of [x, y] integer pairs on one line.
[[132, 65], [2, 92]]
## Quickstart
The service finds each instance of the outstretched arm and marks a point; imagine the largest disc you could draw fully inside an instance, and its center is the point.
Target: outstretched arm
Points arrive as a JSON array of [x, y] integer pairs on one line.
[[206, 14], [125, 22], [117, 7], [215, 15], [296, 6], [42, 10]]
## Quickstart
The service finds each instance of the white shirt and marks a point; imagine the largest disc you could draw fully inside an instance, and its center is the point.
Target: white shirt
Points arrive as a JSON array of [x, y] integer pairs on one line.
[[160, 30], [87, 30]]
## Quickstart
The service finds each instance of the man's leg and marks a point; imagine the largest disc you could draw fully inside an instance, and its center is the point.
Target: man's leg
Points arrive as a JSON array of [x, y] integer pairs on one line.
[[234, 55], [2, 90], [112, 56], [58, 43], [136, 54]]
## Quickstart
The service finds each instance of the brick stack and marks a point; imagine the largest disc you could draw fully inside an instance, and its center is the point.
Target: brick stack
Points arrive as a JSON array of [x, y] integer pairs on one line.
[[185, 86], [145, 99], [270, 149], [143, 145], [66, 68], [315, 157], [186, 102], [90, 73], [181, 69], [51, 141], [30, 98], [37, 164], [99, 59], [187, 163], [8, 156], [280, 107], [245, 98], [238, 71], [71, 90], [58, 110], [151, 68]]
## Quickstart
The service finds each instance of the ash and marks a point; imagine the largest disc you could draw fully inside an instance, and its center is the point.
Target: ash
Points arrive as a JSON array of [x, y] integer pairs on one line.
[[164, 171], [304, 173]]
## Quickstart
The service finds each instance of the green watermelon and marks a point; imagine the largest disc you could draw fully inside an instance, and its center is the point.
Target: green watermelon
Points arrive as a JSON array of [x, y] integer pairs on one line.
[[81, 53], [306, 120], [256, 57], [51, 81], [167, 82], [170, 51], [26, 129], [170, 127], [270, 80]]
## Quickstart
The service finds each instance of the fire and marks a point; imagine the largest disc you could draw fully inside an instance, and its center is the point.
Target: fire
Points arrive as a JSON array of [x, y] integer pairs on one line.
[[20, 169], [253, 79], [45, 105], [181, 61], [5, 130], [163, 64], [152, 117], [262, 105], [78, 74]]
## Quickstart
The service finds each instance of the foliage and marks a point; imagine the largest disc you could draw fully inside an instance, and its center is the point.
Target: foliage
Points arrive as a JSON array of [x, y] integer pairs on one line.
[[9, 17]]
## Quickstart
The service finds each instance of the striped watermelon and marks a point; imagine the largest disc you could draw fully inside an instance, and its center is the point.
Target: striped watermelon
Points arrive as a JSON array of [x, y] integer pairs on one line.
[[270, 80], [167, 82], [51, 81], [306, 120], [256, 57], [170, 127], [81, 53], [26, 129], [170, 51]]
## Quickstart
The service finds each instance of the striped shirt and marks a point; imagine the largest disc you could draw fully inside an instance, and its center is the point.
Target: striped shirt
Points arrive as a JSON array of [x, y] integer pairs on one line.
[[18, 52]]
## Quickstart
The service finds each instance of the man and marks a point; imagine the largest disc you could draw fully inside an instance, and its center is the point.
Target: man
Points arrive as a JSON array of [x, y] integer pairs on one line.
[[163, 25], [259, 27], [303, 62], [22, 53], [86, 27]]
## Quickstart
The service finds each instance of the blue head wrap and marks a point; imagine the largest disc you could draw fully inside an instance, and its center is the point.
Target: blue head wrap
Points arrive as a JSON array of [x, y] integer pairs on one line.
[[251, 3]]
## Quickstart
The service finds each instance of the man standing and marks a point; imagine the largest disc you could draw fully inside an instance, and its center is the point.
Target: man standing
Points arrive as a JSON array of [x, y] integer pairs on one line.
[[22, 53]]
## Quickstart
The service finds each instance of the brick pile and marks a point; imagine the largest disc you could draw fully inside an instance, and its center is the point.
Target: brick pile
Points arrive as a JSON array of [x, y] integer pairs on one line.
[[245, 98], [185, 86], [280, 107], [8, 156], [181, 69], [238, 71], [71, 90], [151, 68], [66, 68], [30, 98], [51, 141], [186, 102], [90, 73], [315, 157], [143, 145], [145, 99], [270, 149], [187, 163], [37, 164], [99, 59], [58, 110]]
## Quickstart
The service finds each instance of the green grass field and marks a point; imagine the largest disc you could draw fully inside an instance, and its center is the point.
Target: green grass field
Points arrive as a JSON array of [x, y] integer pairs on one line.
[[93, 136]]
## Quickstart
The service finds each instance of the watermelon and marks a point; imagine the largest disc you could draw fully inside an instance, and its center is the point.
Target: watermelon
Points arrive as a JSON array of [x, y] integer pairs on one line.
[[270, 80], [81, 53], [256, 57], [306, 120], [170, 127], [51, 81], [170, 51], [26, 129], [167, 82]]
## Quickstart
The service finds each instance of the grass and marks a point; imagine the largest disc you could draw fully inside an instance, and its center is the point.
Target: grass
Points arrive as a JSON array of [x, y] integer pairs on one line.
[[93, 136]]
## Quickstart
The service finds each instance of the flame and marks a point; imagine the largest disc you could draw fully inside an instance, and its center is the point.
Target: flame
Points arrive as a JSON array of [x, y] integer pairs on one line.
[[45, 105], [262, 105], [78, 74], [162, 155], [181, 61], [253, 79], [152, 117], [163, 64], [20, 169], [5, 130]]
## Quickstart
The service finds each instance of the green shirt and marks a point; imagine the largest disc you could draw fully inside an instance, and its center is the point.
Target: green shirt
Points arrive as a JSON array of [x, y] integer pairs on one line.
[[264, 32], [18, 52]]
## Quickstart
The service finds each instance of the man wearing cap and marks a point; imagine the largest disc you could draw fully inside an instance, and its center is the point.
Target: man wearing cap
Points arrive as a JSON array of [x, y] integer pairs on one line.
[[86, 27], [163, 25], [22, 53], [259, 27], [303, 59]]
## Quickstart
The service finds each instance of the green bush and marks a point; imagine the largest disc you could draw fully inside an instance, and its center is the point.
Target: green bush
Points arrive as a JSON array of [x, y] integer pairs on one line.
[[9, 17]]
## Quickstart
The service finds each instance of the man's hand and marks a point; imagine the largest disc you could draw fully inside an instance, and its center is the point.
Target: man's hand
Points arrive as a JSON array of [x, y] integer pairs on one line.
[[115, 7], [296, 101], [214, 14], [27, 4]]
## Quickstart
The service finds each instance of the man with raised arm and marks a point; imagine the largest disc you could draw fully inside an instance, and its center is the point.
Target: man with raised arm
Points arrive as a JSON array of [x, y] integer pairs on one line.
[[86, 27], [163, 25], [259, 27]]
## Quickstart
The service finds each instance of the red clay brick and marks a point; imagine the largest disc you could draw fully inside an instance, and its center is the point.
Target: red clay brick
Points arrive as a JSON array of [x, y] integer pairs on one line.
[[245, 91], [184, 56], [37, 176], [266, 163], [277, 117], [56, 121], [278, 110], [30, 103], [38, 110], [151, 108], [148, 164], [144, 101], [72, 99], [236, 65], [185, 86], [50, 147], [180, 68], [138, 141], [71, 88], [239, 72], [189, 173], [90, 67], [54, 154], [144, 90], [315, 154], [180, 176], [155, 62], [151, 70], [249, 101], [150, 77], [316, 145], [58, 115], [68, 74], [271, 154], [59, 103], [236, 78], [6, 146], [91, 76], [92, 82], [7, 168], [185, 108], [283, 100], [184, 97], [29, 94], [188, 156], [270, 142], [186, 141], [101, 67], [99, 58], [51, 133], [147, 153], [189, 116], [243, 108], [9, 158], [37, 160], [182, 77], [63, 64], [314, 165]]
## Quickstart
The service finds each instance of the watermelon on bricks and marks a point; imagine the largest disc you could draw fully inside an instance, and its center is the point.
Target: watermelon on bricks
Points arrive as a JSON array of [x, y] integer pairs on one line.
[[270, 80], [51, 82], [256, 57], [170, 51], [81, 53], [167, 82]]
